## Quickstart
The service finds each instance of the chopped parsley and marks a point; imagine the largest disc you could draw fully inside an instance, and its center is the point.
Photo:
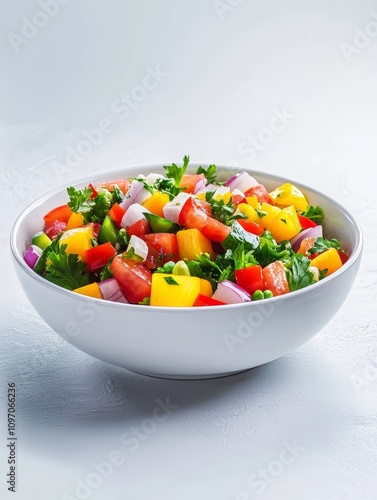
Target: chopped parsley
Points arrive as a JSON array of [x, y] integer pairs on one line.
[[210, 173], [176, 173], [322, 244], [223, 212], [170, 280], [314, 213], [66, 270], [298, 275]]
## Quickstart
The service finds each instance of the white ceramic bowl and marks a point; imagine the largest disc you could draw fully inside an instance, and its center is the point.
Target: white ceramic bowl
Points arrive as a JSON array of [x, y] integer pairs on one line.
[[199, 342]]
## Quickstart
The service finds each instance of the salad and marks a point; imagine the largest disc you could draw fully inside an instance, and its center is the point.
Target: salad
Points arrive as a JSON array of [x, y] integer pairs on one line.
[[184, 240]]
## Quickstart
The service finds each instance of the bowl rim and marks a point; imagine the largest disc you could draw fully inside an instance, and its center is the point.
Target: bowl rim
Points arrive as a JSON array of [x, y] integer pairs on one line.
[[353, 259]]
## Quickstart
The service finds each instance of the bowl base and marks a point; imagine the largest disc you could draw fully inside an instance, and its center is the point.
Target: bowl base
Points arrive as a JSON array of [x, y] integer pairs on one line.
[[190, 377]]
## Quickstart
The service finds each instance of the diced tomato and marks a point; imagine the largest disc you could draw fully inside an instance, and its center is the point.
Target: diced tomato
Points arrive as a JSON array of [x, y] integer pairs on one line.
[[123, 185], [94, 190], [116, 213], [306, 244], [54, 229], [61, 213], [313, 255], [96, 226], [203, 300], [251, 227], [205, 206], [139, 228], [189, 182], [215, 230], [238, 198], [261, 193], [98, 256], [192, 215], [275, 279], [343, 256], [162, 248], [250, 278], [134, 278], [305, 222]]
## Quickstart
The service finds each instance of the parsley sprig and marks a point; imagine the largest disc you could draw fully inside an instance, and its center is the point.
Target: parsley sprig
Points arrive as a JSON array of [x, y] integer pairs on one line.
[[176, 173], [65, 270], [322, 244]]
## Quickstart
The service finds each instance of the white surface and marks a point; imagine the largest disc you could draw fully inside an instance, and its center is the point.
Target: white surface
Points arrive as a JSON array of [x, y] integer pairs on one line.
[[226, 79]]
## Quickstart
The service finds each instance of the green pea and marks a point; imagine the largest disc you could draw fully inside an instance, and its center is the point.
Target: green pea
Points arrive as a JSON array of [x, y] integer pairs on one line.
[[267, 294], [257, 295]]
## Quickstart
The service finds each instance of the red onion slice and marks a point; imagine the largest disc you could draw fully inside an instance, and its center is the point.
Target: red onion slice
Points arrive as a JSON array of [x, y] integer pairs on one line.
[[230, 293], [32, 255], [110, 290], [135, 188], [242, 181]]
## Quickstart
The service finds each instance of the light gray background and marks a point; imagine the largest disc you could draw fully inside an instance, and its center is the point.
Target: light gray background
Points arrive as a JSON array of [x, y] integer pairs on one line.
[[228, 68]]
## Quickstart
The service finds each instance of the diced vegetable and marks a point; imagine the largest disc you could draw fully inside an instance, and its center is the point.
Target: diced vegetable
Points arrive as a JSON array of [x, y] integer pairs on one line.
[[134, 278], [328, 261], [184, 239], [174, 291], [274, 278], [98, 256], [191, 242], [78, 241], [230, 293], [32, 255], [287, 194], [91, 290], [41, 240]]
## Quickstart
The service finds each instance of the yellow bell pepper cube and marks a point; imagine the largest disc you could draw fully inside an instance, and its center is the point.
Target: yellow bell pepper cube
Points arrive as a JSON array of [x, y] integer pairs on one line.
[[285, 225], [75, 220], [272, 212], [92, 290], [174, 290], [156, 203], [201, 196], [249, 211], [225, 197], [287, 194], [329, 259], [191, 243], [205, 288], [78, 241], [252, 201]]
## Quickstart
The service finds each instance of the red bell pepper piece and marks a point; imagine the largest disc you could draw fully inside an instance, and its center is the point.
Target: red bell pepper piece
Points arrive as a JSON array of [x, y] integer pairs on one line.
[[99, 256], [305, 222], [116, 213], [139, 228], [204, 300], [250, 278], [61, 213], [251, 227]]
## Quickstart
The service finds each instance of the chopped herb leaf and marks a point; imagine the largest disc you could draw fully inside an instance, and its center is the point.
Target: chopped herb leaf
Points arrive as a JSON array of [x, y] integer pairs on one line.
[[66, 270], [209, 173], [79, 199], [322, 244], [261, 213], [298, 275], [176, 173], [170, 281], [314, 213], [145, 302]]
